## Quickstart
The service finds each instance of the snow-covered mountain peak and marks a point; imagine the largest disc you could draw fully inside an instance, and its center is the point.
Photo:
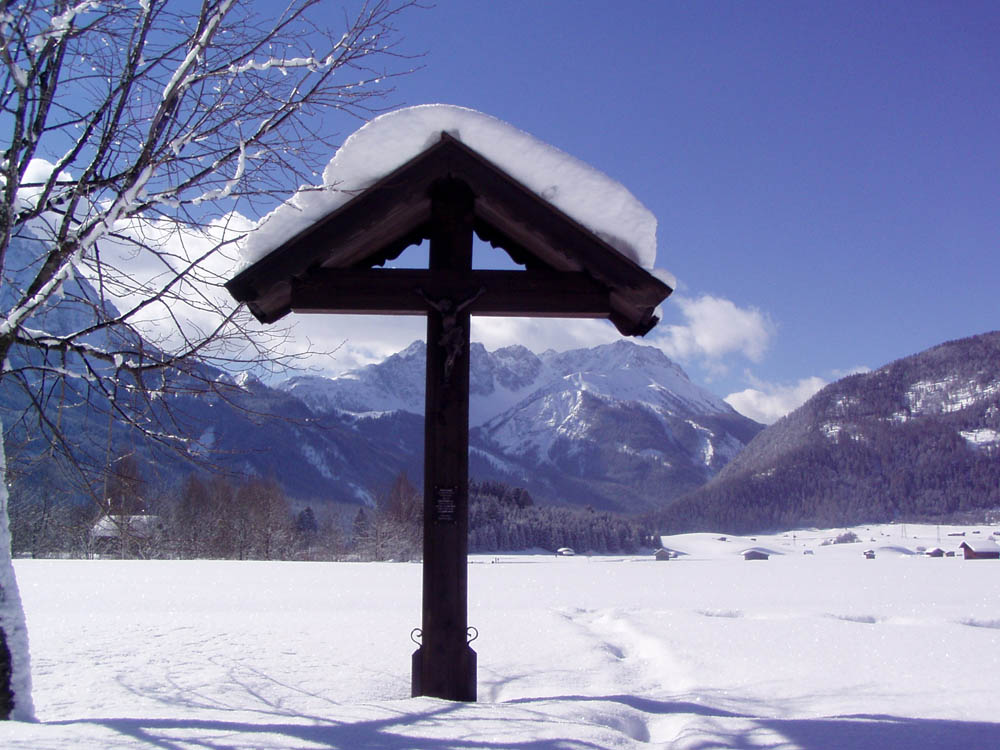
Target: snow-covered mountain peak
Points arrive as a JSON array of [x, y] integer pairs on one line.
[[395, 384], [626, 371], [617, 410], [500, 380], [516, 367]]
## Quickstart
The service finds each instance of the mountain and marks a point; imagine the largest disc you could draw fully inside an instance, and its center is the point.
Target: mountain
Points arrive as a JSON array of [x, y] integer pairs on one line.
[[918, 438], [218, 423], [618, 426]]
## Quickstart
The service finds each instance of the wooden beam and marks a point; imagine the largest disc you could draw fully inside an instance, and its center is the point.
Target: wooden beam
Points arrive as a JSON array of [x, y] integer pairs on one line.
[[445, 666], [405, 292]]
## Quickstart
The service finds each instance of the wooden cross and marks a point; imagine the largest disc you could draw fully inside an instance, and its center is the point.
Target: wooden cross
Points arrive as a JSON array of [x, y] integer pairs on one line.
[[448, 194]]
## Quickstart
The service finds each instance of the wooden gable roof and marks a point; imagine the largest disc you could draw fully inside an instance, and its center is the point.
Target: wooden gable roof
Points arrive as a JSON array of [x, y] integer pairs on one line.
[[569, 270]]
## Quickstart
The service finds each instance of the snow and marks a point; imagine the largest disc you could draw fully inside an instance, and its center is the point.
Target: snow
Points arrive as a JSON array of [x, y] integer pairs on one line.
[[514, 392], [983, 437], [183, 72], [315, 458], [817, 651], [205, 442], [598, 202], [19, 75], [62, 22], [948, 395]]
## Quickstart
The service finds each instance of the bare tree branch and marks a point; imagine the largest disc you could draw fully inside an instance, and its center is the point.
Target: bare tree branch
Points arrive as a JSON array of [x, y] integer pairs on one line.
[[143, 140]]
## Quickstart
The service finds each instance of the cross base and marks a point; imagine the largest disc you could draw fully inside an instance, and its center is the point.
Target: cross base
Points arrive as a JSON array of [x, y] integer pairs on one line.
[[451, 676]]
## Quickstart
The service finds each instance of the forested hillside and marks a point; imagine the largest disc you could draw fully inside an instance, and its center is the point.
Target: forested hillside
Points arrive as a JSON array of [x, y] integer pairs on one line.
[[918, 438]]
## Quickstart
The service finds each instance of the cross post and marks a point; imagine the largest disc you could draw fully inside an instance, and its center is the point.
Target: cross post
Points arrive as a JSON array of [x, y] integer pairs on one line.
[[445, 666]]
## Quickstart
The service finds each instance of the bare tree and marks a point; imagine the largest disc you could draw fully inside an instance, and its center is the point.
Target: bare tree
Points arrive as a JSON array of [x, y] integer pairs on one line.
[[269, 520], [139, 138], [44, 519], [394, 531]]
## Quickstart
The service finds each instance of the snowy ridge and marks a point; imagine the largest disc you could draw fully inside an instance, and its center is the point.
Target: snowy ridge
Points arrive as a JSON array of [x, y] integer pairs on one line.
[[947, 395], [396, 384], [511, 376], [616, 414], [917, 438], [930, 384]]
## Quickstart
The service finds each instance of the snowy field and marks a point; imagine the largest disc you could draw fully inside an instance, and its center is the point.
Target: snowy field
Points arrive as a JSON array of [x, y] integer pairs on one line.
[[821, 650]]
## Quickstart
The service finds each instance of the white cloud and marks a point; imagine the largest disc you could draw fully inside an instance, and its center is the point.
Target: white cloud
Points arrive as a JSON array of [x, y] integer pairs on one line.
[[136, 271], [768, 402], [346, 342], [713, 328], [37, 173], [141, 260], [352, 341], [541, 334]]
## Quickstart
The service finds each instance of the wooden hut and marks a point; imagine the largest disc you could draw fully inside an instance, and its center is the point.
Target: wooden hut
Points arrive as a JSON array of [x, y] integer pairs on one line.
[[980, 549]]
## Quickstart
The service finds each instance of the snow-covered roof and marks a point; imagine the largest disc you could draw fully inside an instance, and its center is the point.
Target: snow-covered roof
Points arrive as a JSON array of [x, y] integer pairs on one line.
[[569, 268], [760, 551], [599, 203], [110, 527], [981, 545]]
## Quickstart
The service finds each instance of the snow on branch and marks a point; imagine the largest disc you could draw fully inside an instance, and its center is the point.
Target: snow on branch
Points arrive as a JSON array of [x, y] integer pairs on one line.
[[161, 130], [196, 51]]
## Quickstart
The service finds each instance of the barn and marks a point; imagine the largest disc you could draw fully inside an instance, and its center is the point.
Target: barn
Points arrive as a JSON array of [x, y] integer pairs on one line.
[[980, 549]]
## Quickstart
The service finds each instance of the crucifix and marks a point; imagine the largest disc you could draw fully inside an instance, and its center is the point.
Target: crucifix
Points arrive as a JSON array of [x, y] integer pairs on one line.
[[448, 194], [445, 665]]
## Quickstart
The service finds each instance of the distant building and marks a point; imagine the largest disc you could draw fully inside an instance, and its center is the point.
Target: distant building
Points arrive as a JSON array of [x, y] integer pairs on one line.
[[755, 554], [565, 552], [869, 554], [662, 554], [980, 549], [935, 552], [124, 535]]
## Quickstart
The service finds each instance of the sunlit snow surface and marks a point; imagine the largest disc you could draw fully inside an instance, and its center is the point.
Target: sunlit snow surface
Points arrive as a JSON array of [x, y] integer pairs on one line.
[[600, 203], [825, 650]]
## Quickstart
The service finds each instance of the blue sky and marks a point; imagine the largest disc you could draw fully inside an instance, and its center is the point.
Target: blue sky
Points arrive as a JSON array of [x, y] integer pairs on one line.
[[826, 176]]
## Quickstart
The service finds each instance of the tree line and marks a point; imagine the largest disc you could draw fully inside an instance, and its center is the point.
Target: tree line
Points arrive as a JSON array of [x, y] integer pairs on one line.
[[221, 517], [506, 519]]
